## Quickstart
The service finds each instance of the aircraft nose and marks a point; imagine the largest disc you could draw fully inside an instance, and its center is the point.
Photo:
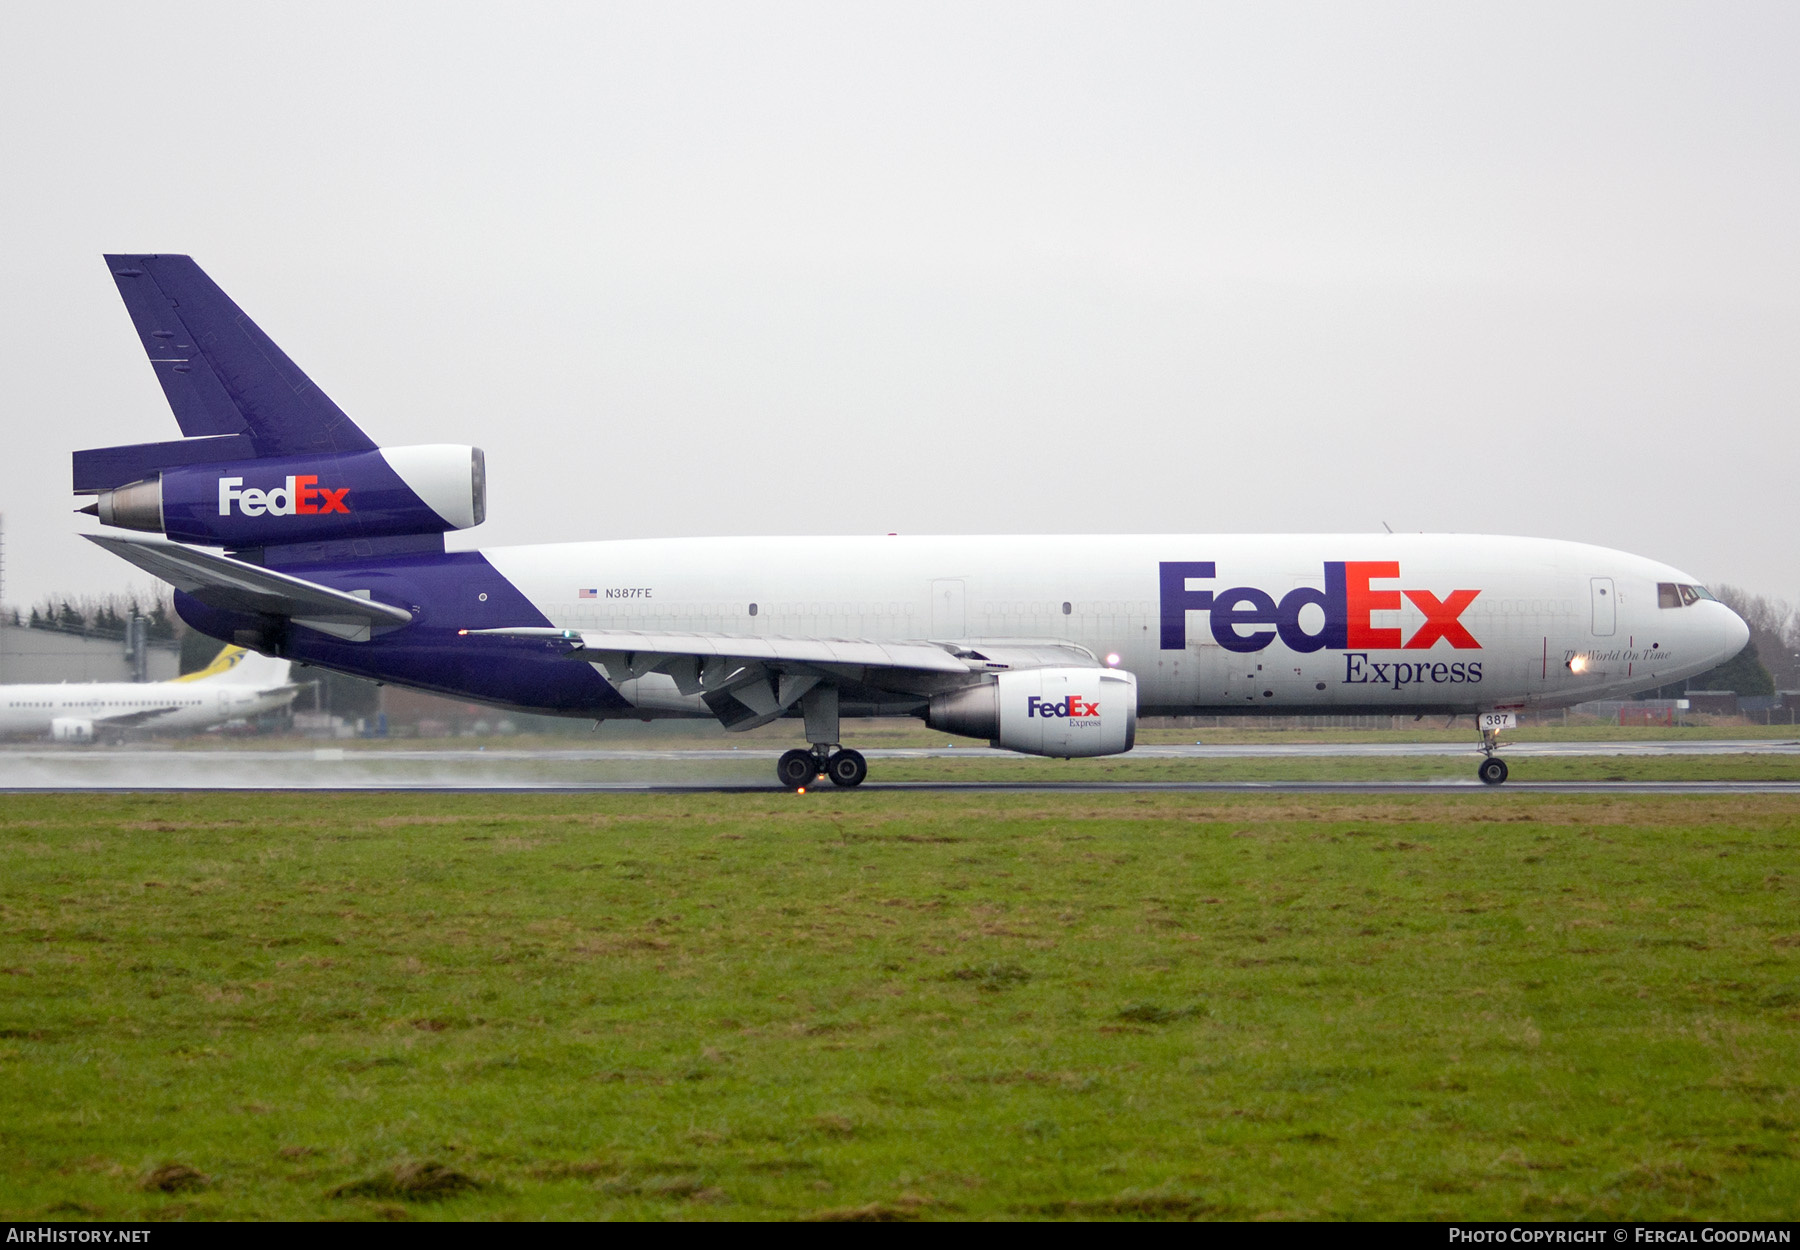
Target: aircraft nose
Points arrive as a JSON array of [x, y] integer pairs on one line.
[[1734, 634]]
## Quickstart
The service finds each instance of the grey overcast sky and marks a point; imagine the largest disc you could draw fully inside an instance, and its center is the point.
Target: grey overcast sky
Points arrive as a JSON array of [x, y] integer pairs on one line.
[[772, 268]]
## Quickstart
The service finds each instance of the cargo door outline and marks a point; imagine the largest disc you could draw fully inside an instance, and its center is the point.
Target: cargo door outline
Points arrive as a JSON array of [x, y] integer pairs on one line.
[[949, 608], [1605, 605]]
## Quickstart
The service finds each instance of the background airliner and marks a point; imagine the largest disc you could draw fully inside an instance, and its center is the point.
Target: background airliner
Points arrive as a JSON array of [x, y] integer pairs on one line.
[[333, 553], [238, 683]]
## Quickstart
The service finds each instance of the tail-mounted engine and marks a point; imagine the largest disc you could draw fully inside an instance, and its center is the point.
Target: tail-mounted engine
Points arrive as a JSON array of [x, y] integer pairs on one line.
[[301, 499], [1062, 712], [266, 460]]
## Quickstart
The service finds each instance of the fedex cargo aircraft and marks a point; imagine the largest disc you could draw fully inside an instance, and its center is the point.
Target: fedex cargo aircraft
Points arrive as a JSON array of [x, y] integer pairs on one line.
[[295, 535]]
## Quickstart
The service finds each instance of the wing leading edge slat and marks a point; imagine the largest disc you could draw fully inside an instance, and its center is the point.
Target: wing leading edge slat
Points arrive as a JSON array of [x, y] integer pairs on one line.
[[925, 657]]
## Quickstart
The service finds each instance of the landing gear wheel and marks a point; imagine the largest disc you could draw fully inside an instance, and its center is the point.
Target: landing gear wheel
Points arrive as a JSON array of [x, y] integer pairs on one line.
[[1492, 771], [796, 769], [847, 768]]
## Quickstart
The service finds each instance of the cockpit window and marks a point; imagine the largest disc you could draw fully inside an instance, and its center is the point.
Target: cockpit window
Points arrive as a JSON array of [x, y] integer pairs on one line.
[[1679, 595]]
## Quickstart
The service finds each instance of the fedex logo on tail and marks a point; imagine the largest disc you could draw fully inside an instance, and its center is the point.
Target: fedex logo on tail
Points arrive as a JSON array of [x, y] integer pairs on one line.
[[1071, 708], [302, 496], [1244, 618]]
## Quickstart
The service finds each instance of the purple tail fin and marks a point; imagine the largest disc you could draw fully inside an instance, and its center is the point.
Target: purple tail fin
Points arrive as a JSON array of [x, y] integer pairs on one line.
[[221, 373]]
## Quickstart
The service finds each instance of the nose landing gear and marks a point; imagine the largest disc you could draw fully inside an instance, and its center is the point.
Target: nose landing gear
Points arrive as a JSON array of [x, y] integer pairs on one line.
[[1492, 769]]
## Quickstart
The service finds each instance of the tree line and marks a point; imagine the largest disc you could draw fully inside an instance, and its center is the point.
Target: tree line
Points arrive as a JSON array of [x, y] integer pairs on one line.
[[102, 616]]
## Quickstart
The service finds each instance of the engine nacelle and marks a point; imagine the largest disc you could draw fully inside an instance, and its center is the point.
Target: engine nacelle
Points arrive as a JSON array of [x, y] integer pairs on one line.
[[1064, 712], [293, 499], [71, 729]]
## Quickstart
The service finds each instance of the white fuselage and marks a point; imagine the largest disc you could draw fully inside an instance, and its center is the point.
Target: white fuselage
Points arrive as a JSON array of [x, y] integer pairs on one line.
[[162, 706], [1551, 623]]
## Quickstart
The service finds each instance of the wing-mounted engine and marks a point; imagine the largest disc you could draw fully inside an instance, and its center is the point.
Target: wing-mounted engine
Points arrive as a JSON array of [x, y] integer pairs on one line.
[[1061, 712], [276, 500]]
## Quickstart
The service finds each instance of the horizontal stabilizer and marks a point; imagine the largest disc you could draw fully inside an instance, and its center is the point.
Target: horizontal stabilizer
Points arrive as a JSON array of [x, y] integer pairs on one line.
[[235, 586], [108, 468]]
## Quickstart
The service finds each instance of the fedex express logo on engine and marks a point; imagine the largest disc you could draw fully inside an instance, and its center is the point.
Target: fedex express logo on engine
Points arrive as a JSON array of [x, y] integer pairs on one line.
[[1072, 708], [1244, 618], [301, 496]]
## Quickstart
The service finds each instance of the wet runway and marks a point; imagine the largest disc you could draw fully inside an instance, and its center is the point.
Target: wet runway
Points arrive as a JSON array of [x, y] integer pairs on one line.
[[1023, 787], [355, 766]]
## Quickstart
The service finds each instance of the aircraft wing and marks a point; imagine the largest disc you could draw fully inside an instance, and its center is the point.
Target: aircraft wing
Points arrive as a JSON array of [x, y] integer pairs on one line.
[[748, 680], [233, 585], [134, 719], [596, 645]]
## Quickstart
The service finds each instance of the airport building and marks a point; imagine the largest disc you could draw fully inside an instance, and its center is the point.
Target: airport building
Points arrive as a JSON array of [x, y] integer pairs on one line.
[[51, 655]]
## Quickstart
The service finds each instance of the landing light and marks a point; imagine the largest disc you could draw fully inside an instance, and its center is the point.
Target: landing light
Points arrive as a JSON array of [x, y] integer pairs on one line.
[[1112, 661], [1578, 664]]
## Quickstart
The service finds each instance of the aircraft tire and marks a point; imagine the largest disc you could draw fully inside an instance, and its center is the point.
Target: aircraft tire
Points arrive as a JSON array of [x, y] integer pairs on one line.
[[1492, 771], [796, 769], [847, 768]]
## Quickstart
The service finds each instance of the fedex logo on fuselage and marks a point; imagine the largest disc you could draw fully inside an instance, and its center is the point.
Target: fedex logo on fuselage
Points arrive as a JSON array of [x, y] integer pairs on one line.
[[1072, 708], [301, 496], [1244, 618]]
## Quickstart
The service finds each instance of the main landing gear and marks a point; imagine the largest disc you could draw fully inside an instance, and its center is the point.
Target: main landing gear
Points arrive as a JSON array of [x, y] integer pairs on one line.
[[798, 769], [1492, 769]]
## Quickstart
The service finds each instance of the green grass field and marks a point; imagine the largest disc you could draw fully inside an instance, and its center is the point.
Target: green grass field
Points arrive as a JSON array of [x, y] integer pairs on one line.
[[893, 1005], [1004, 766]]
